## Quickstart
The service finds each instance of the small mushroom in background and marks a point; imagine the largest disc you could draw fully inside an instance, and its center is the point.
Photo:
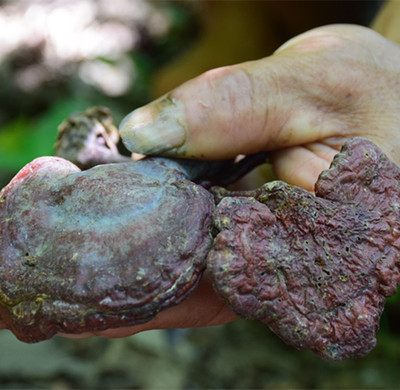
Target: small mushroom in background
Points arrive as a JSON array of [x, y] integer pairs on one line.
[[315, 268], [88, 139]]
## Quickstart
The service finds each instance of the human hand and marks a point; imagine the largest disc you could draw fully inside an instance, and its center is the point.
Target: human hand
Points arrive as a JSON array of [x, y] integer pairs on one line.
[[300, 104]]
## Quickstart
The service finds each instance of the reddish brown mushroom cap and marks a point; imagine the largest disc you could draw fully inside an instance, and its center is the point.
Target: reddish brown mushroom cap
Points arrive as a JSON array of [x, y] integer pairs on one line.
[[315, 269], [103, 248]]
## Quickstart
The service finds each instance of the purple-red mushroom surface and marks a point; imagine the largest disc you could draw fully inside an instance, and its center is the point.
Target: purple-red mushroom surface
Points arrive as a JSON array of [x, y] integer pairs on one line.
[[103, 248], [315, 268]]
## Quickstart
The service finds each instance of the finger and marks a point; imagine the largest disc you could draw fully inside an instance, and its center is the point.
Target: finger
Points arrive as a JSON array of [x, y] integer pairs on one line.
[[301, 94], [224, 112], [301, 165]]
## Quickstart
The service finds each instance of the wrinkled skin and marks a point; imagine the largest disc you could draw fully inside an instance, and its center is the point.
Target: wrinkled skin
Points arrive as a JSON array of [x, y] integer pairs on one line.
[[315, 268], [104, 248]]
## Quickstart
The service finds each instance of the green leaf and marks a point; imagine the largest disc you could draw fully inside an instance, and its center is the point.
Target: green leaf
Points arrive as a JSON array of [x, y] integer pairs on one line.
[[24, 139]]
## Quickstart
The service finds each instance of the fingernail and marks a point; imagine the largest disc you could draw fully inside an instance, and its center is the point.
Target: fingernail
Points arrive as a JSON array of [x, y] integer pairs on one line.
[[155, 128]]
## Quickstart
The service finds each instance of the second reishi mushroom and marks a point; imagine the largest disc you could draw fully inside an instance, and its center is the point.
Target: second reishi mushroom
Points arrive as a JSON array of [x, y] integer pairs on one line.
[[315, 268]]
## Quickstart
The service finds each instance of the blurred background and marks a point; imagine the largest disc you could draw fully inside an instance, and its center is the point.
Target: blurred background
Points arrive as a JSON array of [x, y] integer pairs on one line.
[[61, 56]]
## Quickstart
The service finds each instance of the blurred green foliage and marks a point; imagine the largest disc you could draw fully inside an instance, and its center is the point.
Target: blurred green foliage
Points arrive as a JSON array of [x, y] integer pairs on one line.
[[240, 355], [29, 117], [24, 139]]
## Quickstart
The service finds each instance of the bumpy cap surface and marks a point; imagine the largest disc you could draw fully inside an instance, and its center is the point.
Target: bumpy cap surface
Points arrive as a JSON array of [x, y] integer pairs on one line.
[[107, 247], [315, 268]]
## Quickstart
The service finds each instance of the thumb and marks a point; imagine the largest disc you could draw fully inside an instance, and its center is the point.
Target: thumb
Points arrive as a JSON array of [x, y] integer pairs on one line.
[[224, 112], [312, 89]]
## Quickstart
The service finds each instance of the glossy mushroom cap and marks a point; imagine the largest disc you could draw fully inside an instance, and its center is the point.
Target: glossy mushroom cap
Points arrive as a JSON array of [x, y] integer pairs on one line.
[[102, 248]]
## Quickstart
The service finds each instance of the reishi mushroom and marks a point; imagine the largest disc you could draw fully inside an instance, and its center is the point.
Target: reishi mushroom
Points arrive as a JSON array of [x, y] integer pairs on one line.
[[315, 268], [114, 245], [89, 139], [107, 247]]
